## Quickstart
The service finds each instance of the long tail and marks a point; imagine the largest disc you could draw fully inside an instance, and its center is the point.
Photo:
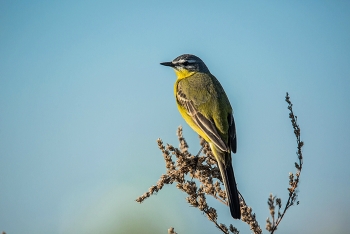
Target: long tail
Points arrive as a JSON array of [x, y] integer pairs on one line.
[[231, 188]]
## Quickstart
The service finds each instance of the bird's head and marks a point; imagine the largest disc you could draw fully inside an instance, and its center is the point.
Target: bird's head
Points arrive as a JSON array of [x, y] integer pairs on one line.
[[186, 65]]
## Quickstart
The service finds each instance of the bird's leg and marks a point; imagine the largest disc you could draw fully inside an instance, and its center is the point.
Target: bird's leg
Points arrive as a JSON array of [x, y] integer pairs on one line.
[[199, 152], [196, 160]]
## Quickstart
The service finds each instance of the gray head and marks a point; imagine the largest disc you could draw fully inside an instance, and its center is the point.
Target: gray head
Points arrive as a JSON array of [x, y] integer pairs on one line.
[[188, 62]]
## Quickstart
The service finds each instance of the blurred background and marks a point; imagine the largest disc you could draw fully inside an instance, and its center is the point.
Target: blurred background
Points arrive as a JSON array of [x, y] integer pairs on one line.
[[83, 100]]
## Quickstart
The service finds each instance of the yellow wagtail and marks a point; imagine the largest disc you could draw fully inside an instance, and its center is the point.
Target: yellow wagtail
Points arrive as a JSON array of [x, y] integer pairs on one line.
[[203, 103]]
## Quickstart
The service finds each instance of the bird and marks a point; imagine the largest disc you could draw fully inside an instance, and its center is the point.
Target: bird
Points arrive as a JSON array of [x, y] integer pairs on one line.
[[203, 103]]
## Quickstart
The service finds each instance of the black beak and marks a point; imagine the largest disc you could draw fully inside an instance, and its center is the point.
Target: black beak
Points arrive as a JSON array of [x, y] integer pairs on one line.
[[169, 64]]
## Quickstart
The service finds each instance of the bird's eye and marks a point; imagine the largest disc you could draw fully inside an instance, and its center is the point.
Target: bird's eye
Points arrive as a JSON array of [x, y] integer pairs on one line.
[[185, 63]]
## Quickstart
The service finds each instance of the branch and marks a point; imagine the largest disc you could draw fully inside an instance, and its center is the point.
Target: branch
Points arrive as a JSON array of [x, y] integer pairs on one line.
[[293, 179], [201, 168]]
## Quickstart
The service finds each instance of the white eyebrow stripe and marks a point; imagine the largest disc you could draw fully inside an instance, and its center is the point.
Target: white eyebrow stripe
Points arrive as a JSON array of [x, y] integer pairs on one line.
[[184, 60]]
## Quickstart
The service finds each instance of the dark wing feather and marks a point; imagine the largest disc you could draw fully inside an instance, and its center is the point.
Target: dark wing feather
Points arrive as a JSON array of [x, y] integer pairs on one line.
[[206, 125], [232, 133]]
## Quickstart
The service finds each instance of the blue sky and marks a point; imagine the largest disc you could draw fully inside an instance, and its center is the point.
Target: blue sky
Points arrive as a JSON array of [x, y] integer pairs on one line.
[[83, 100]]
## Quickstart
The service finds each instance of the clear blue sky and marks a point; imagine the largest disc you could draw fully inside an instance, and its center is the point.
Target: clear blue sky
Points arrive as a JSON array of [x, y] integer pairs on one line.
[[83, 100]]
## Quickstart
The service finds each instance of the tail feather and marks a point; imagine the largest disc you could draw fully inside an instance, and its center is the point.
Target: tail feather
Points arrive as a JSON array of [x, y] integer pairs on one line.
[[228, 178]]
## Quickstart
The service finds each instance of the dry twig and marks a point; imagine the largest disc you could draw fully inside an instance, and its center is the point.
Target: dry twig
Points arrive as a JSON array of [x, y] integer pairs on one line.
[[293, 178]]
